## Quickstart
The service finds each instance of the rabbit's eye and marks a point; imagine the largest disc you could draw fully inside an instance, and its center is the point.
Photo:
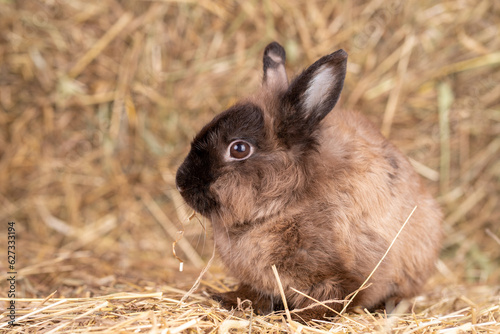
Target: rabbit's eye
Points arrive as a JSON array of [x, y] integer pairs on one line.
[[239, 150]]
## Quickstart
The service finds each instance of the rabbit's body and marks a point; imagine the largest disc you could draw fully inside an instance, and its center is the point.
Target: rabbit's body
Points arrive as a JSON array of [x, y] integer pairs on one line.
[[320, 195]]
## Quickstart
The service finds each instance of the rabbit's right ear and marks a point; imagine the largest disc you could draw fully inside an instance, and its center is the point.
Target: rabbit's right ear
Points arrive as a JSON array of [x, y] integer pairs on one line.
[[312, 95], [274, 67]]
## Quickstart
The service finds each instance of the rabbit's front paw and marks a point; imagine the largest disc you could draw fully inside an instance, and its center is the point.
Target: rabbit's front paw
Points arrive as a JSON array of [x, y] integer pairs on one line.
[[228, 300], [245, 298]]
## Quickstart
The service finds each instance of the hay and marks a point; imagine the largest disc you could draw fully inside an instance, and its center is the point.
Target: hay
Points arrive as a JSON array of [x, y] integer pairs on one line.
[[156, 313], [98, 103]]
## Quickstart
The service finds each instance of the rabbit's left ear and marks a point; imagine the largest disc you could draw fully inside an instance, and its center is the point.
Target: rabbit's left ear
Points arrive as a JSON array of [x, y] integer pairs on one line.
[[314, 93], [274, 67]]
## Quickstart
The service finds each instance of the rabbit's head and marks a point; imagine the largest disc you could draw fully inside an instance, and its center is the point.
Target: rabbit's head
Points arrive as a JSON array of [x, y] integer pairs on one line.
[[261, 155]]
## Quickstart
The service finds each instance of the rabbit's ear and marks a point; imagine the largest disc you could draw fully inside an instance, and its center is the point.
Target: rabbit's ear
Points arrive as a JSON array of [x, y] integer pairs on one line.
[[314, 93], [274, 67]]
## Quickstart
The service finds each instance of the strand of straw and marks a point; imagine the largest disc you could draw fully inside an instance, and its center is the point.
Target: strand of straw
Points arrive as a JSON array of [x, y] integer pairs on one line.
[[282, 292]]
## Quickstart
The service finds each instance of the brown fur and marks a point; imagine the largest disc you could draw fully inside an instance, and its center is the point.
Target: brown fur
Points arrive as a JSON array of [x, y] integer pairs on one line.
[[321, 198]]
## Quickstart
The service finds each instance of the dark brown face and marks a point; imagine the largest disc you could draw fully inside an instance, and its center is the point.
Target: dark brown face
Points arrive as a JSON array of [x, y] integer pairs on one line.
[[230, 141]]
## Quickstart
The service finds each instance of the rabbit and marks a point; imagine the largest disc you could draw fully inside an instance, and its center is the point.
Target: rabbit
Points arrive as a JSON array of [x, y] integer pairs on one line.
[[286, 180]]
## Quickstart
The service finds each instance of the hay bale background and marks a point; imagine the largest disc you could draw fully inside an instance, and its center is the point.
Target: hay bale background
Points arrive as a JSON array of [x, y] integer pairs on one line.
[[99, 101]]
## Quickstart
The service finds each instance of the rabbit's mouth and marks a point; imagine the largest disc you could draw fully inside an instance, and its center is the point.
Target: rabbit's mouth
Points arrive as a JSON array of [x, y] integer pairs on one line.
[[196, 196], [201, 201]]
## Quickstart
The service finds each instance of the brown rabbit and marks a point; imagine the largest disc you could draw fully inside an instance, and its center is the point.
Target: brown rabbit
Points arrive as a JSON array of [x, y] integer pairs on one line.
[[320, 195]]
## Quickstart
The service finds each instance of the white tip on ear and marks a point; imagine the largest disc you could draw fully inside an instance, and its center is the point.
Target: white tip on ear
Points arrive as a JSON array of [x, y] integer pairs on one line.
[[319, 88], [274, 66], [275, 56]]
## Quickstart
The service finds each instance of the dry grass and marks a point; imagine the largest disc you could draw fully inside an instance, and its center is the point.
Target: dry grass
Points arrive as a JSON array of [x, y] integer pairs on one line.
[[99, 100]]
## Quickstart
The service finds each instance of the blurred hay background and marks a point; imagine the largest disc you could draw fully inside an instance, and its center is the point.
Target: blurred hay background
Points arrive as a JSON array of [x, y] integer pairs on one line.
[[100, 99]]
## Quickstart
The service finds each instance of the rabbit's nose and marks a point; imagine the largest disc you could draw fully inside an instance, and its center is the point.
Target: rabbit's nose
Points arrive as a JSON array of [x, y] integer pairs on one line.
[[180, 180], [179, 187]]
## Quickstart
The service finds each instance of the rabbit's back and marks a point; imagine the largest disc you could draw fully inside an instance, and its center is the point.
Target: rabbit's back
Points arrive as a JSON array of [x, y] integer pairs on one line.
[[376, 188]]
